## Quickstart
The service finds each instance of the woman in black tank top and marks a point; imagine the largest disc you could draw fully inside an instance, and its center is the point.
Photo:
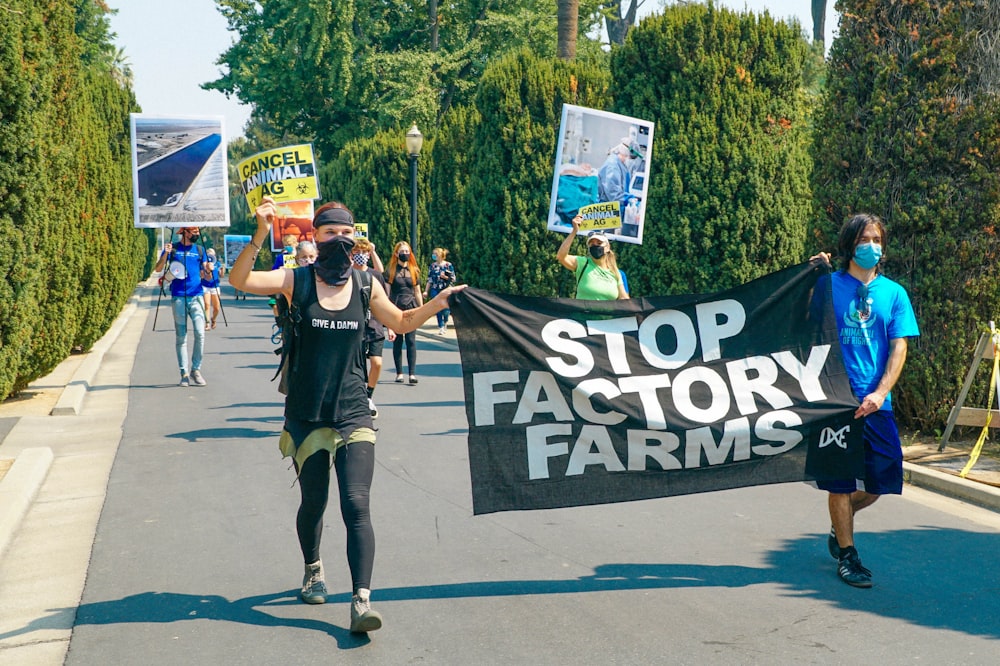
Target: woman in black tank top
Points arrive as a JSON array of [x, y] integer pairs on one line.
[[326, 410], [403, 278]]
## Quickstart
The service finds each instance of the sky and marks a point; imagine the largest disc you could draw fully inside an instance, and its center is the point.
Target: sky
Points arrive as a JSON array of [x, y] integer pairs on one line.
[[172, 47]]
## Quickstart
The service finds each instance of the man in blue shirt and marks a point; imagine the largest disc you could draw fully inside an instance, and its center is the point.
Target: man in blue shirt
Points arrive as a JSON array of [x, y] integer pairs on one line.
[[874, 320], [184, 263]]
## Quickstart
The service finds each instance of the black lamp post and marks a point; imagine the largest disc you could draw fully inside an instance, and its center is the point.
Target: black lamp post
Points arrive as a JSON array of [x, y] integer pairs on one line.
[[414, 142]]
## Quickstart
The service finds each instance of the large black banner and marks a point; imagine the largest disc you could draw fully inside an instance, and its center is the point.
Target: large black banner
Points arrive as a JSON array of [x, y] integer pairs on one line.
[[582, 402]]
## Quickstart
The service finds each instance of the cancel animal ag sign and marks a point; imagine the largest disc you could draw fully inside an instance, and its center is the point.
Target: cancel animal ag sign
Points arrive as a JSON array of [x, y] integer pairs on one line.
[[584, 402]]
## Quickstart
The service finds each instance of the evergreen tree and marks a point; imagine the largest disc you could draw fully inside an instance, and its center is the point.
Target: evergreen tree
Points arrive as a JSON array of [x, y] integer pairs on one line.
[[729, 196], [371, 177], [502, 242], [910, 131]]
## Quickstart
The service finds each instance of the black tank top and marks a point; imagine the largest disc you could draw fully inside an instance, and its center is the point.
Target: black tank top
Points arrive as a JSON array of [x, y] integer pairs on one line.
[[329, 380]]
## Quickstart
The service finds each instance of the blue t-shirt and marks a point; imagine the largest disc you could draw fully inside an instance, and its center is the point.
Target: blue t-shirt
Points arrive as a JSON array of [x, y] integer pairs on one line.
[[190, 285], [864, 341], [214, 282]]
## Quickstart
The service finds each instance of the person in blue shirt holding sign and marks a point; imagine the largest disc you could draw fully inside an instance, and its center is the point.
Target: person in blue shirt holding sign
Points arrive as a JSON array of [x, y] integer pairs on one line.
[[874, 319], [184, 263]]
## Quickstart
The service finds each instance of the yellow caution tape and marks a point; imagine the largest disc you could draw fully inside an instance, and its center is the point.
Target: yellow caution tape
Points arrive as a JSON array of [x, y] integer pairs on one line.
[[994, 390]]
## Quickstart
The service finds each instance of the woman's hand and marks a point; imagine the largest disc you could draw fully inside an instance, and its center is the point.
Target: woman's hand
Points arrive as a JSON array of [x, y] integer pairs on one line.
[[265, 214]]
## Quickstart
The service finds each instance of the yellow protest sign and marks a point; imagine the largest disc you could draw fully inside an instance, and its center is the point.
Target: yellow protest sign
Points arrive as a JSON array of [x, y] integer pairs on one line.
[[605, 215], [284, 174]]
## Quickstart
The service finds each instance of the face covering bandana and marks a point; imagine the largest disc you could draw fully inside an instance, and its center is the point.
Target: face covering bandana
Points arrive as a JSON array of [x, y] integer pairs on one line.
[[333, 263], [867, 255], [597, 251], [360, 259]]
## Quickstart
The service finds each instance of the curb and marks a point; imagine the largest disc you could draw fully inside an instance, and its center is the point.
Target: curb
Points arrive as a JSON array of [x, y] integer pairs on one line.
[[431, 335], [19, 488], [980, 494], [70, 401]]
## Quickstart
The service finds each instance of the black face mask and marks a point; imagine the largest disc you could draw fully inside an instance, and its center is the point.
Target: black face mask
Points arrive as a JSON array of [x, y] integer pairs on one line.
[[597, 251], [333, 260], [404, 257]]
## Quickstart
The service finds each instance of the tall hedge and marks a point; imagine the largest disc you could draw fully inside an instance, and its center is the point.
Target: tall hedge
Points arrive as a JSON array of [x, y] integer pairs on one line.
[[502, 239], [910, 130], [69, 257], [729, 197], [372, 177], [453, 155]]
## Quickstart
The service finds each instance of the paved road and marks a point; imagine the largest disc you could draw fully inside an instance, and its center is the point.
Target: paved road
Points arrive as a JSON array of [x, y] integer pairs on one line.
[[195, 559]]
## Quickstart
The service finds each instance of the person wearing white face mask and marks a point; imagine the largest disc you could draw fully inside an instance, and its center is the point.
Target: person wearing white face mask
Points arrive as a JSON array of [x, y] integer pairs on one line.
[[874, 319]]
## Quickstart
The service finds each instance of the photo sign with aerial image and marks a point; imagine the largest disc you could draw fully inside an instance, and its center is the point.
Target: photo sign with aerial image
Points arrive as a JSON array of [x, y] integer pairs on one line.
[[601, 173], [179, 172]]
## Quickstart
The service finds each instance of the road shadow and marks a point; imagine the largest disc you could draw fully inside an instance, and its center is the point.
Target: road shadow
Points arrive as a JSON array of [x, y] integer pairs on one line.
[[206, 434], [164, 607], [934, 577]]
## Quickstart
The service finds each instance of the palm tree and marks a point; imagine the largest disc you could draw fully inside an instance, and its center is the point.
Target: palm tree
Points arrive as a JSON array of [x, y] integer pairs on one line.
[[121, 68], [568, 17]]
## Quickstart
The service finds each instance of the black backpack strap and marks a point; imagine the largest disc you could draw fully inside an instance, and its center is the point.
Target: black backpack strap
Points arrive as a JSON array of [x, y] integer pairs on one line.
[[290, 315], [579, 277], [364, 280]]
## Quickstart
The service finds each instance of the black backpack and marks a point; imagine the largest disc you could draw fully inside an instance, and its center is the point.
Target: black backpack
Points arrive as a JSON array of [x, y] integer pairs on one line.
[[290, 316]]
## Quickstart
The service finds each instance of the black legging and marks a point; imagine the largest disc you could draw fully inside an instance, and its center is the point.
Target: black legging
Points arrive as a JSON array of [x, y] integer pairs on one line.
[[411, 352], [355, 465]]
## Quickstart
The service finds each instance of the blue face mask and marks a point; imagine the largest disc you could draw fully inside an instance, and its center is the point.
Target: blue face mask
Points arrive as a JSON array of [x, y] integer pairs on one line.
[[867, 255], [434, 257]]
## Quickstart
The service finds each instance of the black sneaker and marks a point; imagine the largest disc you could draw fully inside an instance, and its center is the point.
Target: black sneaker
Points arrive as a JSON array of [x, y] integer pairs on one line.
[[832, 545], [851, 571]]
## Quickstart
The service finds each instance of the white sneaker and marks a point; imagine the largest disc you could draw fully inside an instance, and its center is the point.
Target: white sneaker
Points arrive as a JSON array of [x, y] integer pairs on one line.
[[363, 617], [441, 331], [373, 408], [314, 584]]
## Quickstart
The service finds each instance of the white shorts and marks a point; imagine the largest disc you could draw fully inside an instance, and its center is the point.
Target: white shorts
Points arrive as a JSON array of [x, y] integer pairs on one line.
[[212, 290]]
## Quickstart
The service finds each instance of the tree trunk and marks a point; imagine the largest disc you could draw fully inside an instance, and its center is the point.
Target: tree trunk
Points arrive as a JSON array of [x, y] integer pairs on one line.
[[819, 20], [568, 18], [432, 8], [618, 25]]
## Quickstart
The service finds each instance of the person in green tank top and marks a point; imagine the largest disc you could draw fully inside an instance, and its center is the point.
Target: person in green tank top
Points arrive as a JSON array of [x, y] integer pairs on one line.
[[597, 274]]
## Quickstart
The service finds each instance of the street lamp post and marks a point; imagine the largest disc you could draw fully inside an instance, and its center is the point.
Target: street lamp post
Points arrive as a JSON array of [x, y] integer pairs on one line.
[[414, 142]]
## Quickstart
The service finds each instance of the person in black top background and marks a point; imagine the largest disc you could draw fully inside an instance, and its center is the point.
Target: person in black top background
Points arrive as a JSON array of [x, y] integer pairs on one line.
[[403, 278]]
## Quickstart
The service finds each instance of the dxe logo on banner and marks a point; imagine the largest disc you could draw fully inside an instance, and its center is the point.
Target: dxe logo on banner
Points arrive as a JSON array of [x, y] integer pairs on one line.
[[837, 437]]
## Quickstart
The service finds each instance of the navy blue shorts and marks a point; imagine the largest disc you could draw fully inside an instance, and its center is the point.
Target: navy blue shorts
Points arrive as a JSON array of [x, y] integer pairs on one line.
[[883, 460]]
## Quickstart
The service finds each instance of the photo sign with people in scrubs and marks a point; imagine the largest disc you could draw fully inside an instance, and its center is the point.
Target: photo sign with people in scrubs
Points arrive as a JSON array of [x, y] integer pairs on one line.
[[601, 173]]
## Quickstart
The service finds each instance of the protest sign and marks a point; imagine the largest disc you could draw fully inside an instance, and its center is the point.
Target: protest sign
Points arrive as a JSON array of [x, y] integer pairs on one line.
[[179, 173], [292, 218], [601, 173], [284, 174], [232, 245], [572, 403]]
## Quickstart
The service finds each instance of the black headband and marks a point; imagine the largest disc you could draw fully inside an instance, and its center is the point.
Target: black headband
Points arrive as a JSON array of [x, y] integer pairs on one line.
[[333, 216]]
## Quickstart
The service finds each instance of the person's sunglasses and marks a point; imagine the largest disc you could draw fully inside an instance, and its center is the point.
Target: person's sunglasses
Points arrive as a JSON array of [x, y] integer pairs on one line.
[[864, 307]]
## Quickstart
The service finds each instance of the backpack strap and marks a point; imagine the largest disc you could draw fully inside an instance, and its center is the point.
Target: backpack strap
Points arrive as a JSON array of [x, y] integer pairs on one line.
[[579, 277], [364, 280], [290, 315]]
